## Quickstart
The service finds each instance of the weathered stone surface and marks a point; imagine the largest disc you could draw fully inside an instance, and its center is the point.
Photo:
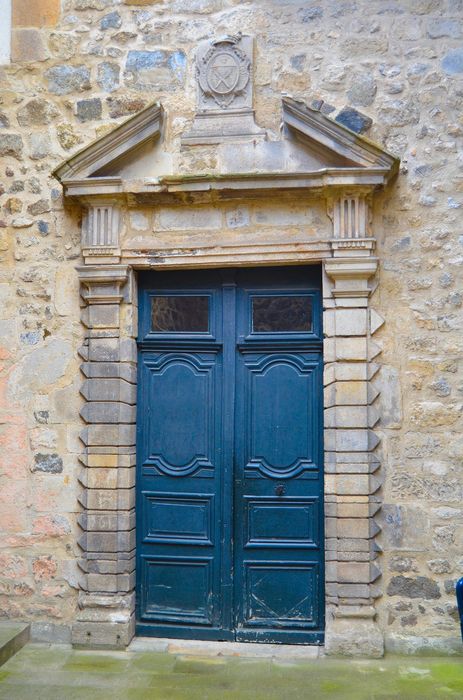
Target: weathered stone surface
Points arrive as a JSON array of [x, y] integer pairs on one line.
[[36, 14], [155, 69], [63, 45], [27, 46], [112, 20], [108, 76], [355, 121], [37, 112], [124, 106], [362, 90], [354, 638], [87, 110], [50, 463], [402, 66], [40, 207], [452, 63], [63, 80], [419, 587], [67, 136], [11, 145], [40, 145]]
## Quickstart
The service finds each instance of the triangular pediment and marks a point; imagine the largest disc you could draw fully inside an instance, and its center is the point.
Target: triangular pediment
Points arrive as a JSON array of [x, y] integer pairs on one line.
[[321, 133], [312, 151], [125, 141]]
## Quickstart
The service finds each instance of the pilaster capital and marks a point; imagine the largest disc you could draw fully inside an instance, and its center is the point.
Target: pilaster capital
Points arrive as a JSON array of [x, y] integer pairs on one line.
[[102, 284], [351, 275]]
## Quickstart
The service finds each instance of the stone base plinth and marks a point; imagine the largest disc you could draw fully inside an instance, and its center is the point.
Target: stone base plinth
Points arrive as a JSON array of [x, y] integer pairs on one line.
[[354, 635]]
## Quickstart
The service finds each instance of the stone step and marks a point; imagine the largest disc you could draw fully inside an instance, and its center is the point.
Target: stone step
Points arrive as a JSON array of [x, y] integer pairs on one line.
[[13, 636], [193, 647]]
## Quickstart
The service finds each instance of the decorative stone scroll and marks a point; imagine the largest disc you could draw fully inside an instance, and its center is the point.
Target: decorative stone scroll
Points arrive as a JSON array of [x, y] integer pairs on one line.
[[224, 92]]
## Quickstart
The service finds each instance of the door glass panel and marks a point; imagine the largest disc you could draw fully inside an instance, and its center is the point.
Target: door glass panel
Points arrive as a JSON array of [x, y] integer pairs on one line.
[[280, 314], [180, 314]]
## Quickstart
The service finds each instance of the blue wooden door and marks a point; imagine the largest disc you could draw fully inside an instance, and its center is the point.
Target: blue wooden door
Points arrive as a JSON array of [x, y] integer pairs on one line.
[[229, 486]]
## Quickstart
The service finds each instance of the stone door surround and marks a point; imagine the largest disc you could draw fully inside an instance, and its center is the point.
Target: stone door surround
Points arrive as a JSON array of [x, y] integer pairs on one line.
[[109, 354]]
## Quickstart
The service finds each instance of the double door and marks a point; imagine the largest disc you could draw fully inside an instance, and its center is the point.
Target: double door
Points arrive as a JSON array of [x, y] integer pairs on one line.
[[229, 475]]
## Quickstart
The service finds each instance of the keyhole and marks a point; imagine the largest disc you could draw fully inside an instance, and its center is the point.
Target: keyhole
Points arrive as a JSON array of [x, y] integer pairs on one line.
[[280, 490]]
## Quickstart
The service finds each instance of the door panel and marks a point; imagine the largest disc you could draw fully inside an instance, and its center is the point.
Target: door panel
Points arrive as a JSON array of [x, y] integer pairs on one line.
[[229, 492]]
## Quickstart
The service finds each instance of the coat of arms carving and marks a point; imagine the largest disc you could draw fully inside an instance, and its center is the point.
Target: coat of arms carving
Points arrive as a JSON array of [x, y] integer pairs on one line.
[[224, 71], [224, 92]]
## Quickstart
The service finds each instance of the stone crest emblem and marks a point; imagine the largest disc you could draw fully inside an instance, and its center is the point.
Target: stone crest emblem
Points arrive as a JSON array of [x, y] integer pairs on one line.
[[224, 71], [224, 76]]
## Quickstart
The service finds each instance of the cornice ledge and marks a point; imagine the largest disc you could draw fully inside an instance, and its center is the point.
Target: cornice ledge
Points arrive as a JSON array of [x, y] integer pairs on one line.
[[323, 179], [128, 135], [337, 137]]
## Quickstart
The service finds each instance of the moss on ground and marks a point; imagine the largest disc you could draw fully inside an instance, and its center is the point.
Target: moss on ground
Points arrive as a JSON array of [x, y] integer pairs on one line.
[[59, 673]]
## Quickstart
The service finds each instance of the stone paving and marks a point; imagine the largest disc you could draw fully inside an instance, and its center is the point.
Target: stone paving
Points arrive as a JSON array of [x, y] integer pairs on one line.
[[52, 672]]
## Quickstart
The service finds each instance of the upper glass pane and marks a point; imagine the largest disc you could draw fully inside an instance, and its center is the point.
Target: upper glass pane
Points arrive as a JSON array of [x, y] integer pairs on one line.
[[281, 314], [180, 314]]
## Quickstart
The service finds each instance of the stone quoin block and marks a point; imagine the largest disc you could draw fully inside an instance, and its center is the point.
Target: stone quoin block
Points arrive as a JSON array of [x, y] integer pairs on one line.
[[41, 13]]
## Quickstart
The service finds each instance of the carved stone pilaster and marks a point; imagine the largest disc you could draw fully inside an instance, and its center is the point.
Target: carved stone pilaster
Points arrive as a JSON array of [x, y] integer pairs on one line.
[[352, 470], [351, 216], [107, 521], [100, 233]]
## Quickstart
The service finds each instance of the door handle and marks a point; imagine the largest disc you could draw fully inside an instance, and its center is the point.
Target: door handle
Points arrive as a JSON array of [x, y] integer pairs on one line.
[[280, 490]]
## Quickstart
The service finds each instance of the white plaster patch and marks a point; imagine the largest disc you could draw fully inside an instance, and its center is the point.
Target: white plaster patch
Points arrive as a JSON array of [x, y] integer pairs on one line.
[[5, 31], [139, 221]]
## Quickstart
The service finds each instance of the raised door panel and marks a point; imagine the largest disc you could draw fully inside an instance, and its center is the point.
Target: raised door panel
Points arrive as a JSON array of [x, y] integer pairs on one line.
[[278, 496], [180, 418], [180, 493], [280, 415]]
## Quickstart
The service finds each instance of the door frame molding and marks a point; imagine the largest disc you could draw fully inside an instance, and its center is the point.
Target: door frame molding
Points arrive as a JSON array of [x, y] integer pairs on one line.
[[109, 352], [343, 175]]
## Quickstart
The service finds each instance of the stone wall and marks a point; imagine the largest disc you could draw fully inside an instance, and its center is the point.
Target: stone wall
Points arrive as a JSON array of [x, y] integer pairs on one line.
[[391, 69]]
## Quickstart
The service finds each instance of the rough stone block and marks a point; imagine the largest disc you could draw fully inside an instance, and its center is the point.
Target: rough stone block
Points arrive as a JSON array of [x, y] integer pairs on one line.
[[108, 76], [27, 46], [354, 637], [103, 635], [65, 79], [11, 145], [161, 69], [88, 110]]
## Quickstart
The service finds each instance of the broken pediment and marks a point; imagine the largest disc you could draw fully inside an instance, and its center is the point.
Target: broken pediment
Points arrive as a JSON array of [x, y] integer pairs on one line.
[[313, 152]]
